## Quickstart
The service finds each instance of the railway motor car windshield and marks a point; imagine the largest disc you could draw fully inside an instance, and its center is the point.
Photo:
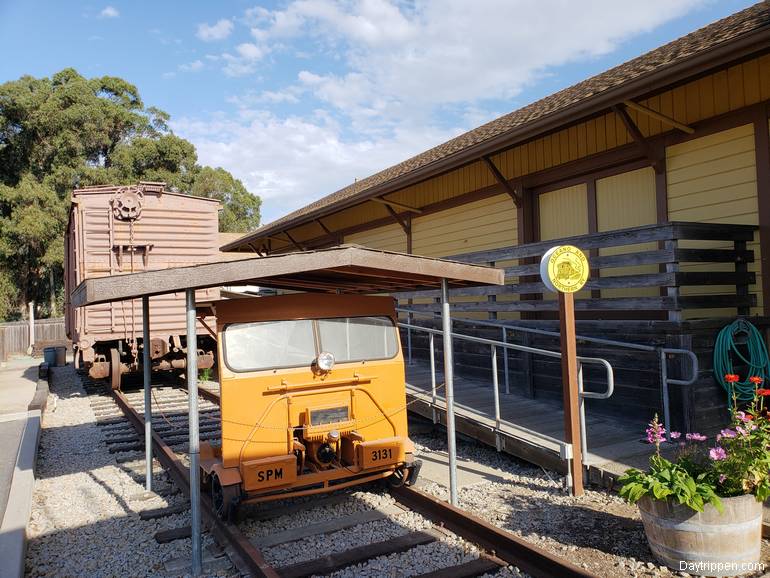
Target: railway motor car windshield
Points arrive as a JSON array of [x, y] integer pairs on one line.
[[294, 343]]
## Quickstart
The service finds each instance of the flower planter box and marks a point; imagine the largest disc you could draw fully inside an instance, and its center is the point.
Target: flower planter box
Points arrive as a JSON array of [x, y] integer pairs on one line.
[[679, 535]]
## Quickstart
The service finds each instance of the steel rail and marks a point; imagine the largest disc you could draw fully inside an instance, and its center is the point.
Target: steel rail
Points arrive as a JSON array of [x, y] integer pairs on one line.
[[514, 550], [246, 557]]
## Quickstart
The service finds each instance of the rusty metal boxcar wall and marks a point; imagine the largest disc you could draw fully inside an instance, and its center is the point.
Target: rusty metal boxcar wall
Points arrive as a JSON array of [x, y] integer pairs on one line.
[[114, 230]]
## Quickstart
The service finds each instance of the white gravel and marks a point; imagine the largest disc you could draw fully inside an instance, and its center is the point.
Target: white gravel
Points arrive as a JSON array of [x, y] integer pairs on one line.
[[84, 519]]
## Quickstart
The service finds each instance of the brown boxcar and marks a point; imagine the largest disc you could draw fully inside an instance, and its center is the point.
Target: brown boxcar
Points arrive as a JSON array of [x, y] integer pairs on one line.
[[116, 230]]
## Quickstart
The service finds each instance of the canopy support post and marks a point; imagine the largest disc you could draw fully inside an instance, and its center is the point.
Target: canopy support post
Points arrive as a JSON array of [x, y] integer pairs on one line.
[[194, 451], [446, 323], [146, 371]]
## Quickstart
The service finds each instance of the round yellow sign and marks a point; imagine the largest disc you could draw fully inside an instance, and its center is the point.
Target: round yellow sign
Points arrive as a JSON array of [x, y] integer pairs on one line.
[[564, 268]]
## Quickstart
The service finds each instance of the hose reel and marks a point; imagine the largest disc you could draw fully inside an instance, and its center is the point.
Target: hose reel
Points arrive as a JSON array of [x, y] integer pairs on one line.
[[727, 350]]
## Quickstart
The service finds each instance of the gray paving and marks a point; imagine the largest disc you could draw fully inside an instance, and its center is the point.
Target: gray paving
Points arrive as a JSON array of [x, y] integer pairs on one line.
[[18, 429], [10, 434]]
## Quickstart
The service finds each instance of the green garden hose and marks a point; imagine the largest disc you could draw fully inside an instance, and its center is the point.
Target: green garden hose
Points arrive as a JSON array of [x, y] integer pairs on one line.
[[726, 349]]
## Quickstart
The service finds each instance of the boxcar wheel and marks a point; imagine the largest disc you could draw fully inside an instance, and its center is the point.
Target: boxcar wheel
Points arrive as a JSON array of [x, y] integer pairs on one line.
[[114, 369], [224, 499]]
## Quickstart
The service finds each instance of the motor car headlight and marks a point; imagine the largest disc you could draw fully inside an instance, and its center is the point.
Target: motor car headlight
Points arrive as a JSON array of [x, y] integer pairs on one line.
[[325, 361]]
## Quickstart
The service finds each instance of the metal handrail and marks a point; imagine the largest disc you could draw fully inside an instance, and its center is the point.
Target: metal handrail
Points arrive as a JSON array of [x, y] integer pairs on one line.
[[662, 352], [494, 344]]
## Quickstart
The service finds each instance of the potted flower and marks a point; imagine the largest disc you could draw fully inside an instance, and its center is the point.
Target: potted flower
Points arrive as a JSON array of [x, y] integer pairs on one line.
[[702, 510]]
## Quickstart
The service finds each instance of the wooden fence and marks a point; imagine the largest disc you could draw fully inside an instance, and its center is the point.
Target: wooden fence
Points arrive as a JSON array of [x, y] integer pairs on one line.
[[14, 336]]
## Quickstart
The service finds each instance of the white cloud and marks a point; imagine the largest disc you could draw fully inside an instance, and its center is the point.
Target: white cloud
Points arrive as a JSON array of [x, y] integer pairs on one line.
[[244, 61], [407, 76], [402, 59], [289, 161], [109, 12], [212, 32], [193, 66]]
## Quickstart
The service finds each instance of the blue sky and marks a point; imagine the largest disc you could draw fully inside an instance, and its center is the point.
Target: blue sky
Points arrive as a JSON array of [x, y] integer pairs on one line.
[[298, 98]]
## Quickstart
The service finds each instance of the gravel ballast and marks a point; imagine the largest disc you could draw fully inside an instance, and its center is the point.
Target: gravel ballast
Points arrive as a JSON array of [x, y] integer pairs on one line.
[[599, 531], [85, 512]]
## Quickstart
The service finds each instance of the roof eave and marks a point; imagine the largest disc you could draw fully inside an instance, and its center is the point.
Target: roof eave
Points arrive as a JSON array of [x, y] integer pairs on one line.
[[754, 42]]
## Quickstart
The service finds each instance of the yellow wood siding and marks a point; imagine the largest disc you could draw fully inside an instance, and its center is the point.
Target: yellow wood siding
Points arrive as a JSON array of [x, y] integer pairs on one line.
[[623, 201], [387, 238], [485, 224], [563, 212], [713, 179]]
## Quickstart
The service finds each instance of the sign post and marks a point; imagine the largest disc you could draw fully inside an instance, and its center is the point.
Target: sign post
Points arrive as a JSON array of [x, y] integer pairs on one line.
[[564, 269]]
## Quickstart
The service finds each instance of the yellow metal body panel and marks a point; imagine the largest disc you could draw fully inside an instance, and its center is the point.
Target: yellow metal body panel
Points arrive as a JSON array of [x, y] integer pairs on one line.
[[269, 472], [381, 453], [713, 179], [261, 410]]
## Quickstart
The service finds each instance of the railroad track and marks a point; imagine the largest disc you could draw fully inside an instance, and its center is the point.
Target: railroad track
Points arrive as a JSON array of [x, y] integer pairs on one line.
[[408, 528]]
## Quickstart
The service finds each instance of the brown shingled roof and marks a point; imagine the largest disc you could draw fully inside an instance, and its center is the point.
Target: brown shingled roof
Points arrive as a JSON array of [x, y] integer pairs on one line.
[[749, 27]]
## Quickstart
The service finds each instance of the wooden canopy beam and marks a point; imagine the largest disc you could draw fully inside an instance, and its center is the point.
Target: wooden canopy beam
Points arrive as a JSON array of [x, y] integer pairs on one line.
[[639, 139], [503, 181], [395, 205], [659, 116]]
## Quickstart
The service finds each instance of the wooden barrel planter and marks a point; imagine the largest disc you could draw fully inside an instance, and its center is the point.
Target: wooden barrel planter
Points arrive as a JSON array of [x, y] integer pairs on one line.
[[730, 540]]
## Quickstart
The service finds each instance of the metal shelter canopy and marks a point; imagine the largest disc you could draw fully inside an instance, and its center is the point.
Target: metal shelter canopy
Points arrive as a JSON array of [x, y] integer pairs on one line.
[[346, 269]]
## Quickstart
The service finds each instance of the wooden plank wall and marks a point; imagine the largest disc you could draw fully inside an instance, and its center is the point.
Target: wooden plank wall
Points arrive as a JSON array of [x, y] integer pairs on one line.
[[14, 336]]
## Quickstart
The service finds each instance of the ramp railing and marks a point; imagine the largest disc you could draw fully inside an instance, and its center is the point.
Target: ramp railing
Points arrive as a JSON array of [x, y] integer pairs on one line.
[[565, 449], [663, 353]]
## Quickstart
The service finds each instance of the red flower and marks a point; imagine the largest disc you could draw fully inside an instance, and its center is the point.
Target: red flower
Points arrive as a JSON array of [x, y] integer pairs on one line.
[[756, 380], [763, 392], [732, 377]]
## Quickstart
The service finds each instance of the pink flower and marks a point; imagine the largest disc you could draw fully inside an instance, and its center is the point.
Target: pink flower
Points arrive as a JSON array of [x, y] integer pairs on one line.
[[655, 432], [695, 437], [726, 433], [675, 435], [722, 478], [741, 415], [717, 453]]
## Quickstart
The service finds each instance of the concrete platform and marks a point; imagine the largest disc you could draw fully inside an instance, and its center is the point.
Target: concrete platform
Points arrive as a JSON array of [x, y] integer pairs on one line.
[[22, 402]]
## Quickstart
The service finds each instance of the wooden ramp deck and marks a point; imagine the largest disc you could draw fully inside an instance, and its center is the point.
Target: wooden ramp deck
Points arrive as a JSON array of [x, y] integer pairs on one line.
[[530, 429]]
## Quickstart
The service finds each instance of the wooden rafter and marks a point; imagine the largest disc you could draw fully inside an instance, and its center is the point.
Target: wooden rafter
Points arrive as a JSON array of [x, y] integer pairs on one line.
[[659, 116], [294, 241], [404, 224], [503, 181], [325, 228], [395, 205], [638, 137]]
